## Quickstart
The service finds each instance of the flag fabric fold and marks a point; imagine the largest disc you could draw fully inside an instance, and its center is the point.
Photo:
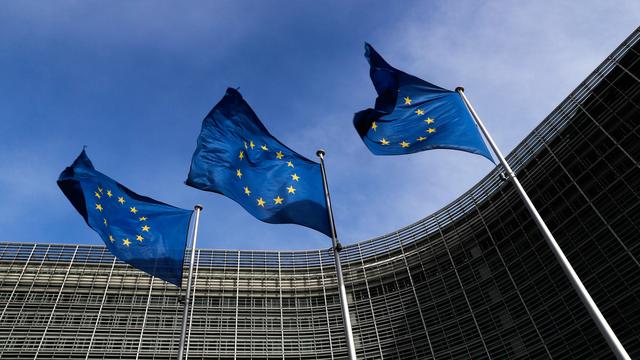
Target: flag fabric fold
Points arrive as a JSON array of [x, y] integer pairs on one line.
[[237, 157], [412, 115], [147, 234]]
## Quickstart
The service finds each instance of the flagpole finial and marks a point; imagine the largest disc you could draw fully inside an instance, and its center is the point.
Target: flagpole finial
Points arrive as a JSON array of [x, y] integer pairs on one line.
[[459, 89], [320, 153], [198, 207]]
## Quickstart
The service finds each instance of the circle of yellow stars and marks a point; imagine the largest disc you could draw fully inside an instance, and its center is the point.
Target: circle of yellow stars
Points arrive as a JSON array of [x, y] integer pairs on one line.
[[405, 144], [279, 155], [101, 196]]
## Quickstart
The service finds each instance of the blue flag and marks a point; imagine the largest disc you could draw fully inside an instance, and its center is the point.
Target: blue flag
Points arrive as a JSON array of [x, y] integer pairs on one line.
[[237, 157], [144, 233], [412, 115]]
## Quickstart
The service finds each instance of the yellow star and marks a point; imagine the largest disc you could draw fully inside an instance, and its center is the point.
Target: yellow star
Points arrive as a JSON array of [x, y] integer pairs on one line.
[[146, 228], [278, 200], [431, 130], [104, 220], [121, 200], [126, 242], [289, 164], [295, 177], [241, 155], [109, 194], [420, 112], [111, 238], [422, 138], [251, 144], [100, 189], [143, 218], [260, 202], [98, 195], [239, 173], [374, 126], [429, 121], [384, 141], [264, 148], [291, 189], [247, 191], [99, 207], [404, 144], [407, 100], [279, 155], [139, 238], [133, 210]]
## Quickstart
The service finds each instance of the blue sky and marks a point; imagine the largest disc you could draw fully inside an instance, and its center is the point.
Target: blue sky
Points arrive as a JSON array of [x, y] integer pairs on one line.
[[133, 80]]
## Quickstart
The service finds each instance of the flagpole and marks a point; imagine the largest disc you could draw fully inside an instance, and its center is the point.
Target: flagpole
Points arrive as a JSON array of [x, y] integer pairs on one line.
[[592, 308], [336, 256], [183, 333]]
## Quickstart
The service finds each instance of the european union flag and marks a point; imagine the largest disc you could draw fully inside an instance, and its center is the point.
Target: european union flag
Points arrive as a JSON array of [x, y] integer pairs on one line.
[[238, 158], [413, 115], [144, 233]]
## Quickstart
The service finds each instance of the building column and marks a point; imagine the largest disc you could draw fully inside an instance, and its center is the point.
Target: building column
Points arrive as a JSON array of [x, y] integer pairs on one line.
[[104, 296], [144, 319], [44, 334], [235, 338], [415, 294], [326, 305], [373, 313], [455, 270], [281, 312], [193, 301]]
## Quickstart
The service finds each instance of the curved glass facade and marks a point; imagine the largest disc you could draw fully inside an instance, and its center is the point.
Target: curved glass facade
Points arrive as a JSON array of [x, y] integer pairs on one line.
[[473, 280]]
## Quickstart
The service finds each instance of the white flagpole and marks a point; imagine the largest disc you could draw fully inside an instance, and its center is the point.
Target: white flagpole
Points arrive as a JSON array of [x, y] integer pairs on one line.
[[592, 308], [183, 333], [336, 256]]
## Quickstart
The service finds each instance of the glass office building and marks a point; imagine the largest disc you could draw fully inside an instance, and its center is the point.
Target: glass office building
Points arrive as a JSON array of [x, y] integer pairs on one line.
[[473, 280]]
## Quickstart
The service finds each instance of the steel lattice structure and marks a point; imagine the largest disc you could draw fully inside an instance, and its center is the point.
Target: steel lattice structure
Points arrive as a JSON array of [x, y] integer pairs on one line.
[[473, 280]]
